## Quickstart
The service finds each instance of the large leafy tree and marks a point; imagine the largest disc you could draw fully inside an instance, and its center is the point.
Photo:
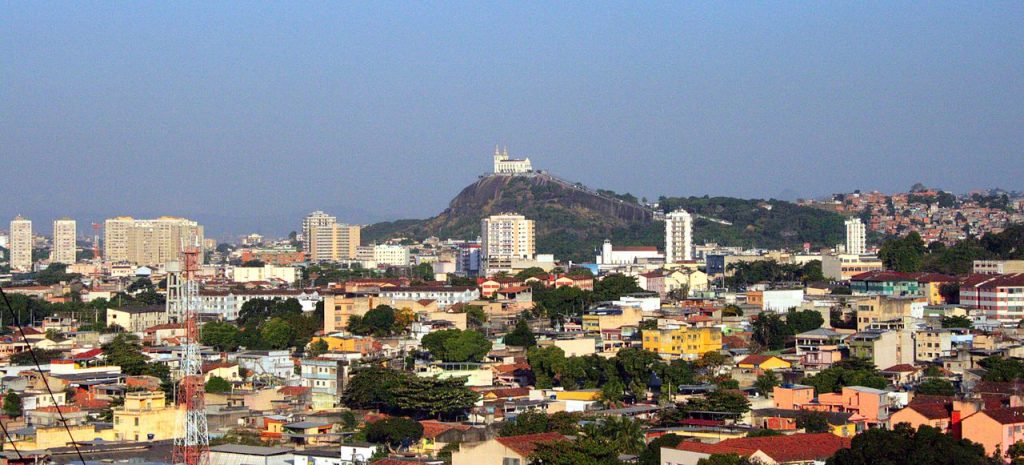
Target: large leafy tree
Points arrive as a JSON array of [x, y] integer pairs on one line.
[[521, 336], [533, 421], [803, 321], [652, 452], [222, 336], [396, 432], [216, 384], [125, 351], [545, 362], [849, 372], [936, 387], [904, 254], [615, 285], [381, 321], [12, 405], [770, 332], [584, 450], [453, 345], [766, 382], [277, 334], [398, 392], [905, 445]]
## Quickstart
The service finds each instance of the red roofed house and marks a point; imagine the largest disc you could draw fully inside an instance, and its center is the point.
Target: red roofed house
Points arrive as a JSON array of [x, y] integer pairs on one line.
[[770, 450], [509, 450], [998, 428]]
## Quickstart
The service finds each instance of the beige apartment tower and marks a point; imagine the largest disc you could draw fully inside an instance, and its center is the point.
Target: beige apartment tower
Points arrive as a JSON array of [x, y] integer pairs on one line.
[[333, 242], [149, 242], [508, 235], [64, 237], [21, 244]]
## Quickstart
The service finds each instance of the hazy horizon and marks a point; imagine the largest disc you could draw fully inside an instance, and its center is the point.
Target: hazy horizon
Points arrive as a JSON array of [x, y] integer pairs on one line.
[[246, 117]]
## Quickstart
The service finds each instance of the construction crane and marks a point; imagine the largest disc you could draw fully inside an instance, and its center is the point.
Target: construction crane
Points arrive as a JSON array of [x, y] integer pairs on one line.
[[192, 441]]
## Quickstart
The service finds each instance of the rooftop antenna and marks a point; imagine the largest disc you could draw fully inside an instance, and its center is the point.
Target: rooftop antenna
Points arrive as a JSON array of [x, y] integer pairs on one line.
[[192, 443]]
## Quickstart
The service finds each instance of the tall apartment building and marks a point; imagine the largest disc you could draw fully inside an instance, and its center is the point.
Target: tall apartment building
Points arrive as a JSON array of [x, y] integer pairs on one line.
[[21, 244], [333, 242], [508, 235], [678, 236], [64, 237], [856, 237], [317, 219], [149, 242]]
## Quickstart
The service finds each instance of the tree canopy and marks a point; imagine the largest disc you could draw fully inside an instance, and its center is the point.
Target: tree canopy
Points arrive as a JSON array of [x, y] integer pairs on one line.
[[905, 445], [454, 345]]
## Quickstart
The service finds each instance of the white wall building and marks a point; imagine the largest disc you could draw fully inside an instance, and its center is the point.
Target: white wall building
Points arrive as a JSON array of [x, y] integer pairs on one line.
[[856, 237], [21, 244], [627, 255], [383, 254], [64, 236], [781, 300], [315, 219], [678, 236], [245, 274], [505, 165]]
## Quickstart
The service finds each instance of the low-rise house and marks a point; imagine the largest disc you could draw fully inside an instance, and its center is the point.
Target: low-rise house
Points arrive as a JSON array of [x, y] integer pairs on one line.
[[508, 450], [786, 420], [231, 454], [996, 429], [797, 449], [137, 319], [310, 433]]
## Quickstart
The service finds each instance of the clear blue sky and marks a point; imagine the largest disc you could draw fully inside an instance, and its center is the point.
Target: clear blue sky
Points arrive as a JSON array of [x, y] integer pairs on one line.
[[248, 115]]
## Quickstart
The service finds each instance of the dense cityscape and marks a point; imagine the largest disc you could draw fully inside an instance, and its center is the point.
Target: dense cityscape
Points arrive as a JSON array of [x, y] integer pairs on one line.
[[511, 233], [326, 348]]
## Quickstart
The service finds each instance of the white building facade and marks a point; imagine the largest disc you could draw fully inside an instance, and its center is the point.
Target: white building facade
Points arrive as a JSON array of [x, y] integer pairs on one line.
[[64, 234], [856, 237], [678, 236], [21, 244]]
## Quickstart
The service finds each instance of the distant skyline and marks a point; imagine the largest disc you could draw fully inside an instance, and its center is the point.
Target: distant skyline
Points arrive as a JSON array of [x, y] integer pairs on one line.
[[246, 116]]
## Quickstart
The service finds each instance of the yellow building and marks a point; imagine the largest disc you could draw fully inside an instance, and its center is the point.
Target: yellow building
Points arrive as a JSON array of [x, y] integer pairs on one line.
[[692, 279], [50, 437], [763, 362], [883, 312], [145, 416], [683, 341], [350, 344], [611, 318]]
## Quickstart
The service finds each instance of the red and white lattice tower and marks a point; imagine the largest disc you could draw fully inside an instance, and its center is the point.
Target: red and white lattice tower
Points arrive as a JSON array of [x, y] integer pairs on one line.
[[192, 441]]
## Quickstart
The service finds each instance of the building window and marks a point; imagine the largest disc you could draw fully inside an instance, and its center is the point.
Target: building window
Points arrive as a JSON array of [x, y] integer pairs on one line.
[[510, 461]]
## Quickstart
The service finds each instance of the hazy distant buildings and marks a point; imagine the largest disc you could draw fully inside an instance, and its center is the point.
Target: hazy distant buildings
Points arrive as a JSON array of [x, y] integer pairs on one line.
[[64, 238], [149, 242], [856, 237], [333, 242], [678, 236], [505, 165], [21, 244], [317, 219]]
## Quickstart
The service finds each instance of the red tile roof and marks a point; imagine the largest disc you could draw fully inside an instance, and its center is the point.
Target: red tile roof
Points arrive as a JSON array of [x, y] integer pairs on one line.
[[525, 444], [293, 390], [434, 428], [902, 368], [755, 359], [1006, 416], [91, 353], [931, 411], [793, 448]]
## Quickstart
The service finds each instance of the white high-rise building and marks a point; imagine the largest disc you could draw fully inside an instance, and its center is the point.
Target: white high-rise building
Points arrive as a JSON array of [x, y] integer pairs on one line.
[[64, 237], [317, 219], [21, 244], [508, 235], [678, 236], [149, 242], [856, 237]]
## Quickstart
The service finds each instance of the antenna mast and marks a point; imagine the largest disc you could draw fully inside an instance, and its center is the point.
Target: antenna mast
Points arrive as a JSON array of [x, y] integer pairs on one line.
[[192, 443]]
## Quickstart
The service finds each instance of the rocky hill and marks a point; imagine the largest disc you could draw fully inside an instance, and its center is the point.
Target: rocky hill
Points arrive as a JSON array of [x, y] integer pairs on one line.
[[572, 221]]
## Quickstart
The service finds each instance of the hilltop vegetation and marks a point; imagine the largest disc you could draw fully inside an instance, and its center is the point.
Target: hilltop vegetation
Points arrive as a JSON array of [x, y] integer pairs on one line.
[[572, 221]]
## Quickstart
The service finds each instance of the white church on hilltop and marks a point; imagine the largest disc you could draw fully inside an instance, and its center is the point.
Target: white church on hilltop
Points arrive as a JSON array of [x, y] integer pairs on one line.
[[505, 165]]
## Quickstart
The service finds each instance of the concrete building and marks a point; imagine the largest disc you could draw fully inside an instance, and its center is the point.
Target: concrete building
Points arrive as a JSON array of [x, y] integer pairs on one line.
[[505, 165], [627, 255], [21, 244], [326, 379], [507, 450], [999, 297], [333, 242], [678, 236], [149, 242], [64, 236], [883, 348], [236, 454], [508, 235], [137, 319], [998, 266], [684, 341], [842, 267], [383, 254], [245, 274], [312, 220], [856, 237], [145, 416]]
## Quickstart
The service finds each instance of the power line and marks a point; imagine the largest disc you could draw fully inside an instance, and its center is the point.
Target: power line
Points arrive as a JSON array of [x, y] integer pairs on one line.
[[46, 382], [4, 427]]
